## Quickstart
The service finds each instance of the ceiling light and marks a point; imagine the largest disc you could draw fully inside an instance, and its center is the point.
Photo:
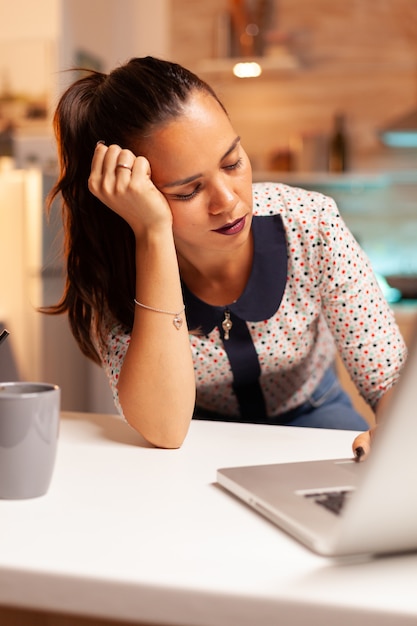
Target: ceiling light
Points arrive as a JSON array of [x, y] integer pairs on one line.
[[247, 69]]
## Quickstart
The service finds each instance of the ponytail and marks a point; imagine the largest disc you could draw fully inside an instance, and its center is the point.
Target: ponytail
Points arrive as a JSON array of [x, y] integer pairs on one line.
[[118, 108]]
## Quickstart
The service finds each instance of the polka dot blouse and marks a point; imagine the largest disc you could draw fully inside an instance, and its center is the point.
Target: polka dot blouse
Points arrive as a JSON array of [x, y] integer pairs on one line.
[[311, 292]]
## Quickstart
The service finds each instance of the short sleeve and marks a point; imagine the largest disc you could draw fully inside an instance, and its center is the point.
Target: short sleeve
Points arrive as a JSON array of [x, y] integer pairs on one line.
[[112, 354]]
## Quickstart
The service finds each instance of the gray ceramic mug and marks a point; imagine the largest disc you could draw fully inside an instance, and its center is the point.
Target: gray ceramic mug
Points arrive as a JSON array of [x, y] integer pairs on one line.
[[29, 425]]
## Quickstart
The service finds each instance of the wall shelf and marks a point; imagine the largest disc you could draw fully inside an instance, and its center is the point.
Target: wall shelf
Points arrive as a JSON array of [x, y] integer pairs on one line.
[[277, 63]]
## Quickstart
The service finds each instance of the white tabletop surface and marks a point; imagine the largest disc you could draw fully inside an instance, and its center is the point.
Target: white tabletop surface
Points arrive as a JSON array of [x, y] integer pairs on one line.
[[135, 533]]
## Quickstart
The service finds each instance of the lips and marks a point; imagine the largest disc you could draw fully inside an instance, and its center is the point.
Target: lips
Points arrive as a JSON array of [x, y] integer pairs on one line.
[[233, 228]]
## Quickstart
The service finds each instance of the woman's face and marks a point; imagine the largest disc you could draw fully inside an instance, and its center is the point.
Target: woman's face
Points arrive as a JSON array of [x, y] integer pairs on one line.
[[199, 165]]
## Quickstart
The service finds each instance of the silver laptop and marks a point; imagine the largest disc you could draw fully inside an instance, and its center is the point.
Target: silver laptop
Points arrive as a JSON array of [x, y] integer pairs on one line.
[[341, 507]]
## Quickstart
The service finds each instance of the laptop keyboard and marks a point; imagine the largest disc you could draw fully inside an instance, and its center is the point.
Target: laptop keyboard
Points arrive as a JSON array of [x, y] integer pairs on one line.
[[331, 500]]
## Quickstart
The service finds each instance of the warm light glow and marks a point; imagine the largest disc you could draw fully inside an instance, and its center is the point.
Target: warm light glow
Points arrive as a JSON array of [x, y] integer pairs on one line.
[[247, 70]]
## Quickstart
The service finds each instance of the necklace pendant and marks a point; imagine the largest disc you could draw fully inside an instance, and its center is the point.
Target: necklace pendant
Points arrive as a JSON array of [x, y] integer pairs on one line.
[[227, 324]]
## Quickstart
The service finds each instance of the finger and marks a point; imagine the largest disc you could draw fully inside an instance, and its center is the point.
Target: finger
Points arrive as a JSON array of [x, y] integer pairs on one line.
[[115, 171], [124, 162], [110, 160], [105, 159], [362, 444], [141, 166], [103, 170], [98, 157], [123, 166], [109, 156], [96, 170]]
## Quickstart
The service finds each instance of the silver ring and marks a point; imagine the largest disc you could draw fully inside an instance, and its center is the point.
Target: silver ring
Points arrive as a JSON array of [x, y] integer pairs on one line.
[[126, 167]]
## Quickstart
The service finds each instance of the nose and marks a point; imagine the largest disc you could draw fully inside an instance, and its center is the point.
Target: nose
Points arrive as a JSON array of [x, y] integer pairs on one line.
[[222, 198]]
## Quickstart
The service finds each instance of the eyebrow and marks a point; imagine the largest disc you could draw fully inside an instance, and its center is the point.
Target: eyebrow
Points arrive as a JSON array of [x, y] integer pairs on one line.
[[190, 179]]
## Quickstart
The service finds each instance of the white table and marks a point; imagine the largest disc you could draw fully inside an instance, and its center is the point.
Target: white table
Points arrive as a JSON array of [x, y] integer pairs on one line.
[[134, 533]]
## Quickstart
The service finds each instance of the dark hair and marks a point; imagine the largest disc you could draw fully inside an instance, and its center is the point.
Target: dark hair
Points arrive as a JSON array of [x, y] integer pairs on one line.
[[120, 107]]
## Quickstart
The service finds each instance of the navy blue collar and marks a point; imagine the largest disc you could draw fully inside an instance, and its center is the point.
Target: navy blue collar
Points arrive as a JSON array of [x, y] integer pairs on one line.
[[263, 293]]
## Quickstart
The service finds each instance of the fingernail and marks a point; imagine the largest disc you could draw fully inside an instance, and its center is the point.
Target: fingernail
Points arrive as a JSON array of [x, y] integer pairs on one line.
[[359, 452], [100, 141]]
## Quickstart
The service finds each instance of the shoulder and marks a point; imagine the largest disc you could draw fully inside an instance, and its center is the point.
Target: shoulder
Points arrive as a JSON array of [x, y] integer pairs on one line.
[[310, 219], [291, 202]]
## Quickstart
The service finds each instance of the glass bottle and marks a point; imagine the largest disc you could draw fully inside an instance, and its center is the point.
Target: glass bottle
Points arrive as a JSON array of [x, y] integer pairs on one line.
[[338, 145]]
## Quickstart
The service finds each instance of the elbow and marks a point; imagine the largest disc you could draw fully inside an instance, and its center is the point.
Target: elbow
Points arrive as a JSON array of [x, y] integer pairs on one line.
[[167, 432], [165, 440], [163, 424]]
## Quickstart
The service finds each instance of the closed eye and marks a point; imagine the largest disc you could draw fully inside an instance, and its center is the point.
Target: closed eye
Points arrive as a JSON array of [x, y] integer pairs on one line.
[[234, 166], [187, 196]]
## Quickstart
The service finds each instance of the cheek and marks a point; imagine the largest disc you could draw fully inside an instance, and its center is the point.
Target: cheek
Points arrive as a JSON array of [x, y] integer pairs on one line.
[[191, 213], [183, 220]]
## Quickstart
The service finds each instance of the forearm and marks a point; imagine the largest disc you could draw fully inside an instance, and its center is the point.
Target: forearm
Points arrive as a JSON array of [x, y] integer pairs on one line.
[[157, 385]]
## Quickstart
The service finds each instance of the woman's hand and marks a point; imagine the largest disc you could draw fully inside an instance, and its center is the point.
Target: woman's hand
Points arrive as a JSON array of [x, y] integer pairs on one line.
[[362, 444], [123, 182]]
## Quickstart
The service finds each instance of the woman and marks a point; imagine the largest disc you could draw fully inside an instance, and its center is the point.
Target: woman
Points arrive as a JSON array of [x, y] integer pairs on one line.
[[199, 292]]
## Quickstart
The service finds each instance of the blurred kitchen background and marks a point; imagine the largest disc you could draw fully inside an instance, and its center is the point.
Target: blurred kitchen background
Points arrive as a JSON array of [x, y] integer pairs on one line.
[[322, 92]]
